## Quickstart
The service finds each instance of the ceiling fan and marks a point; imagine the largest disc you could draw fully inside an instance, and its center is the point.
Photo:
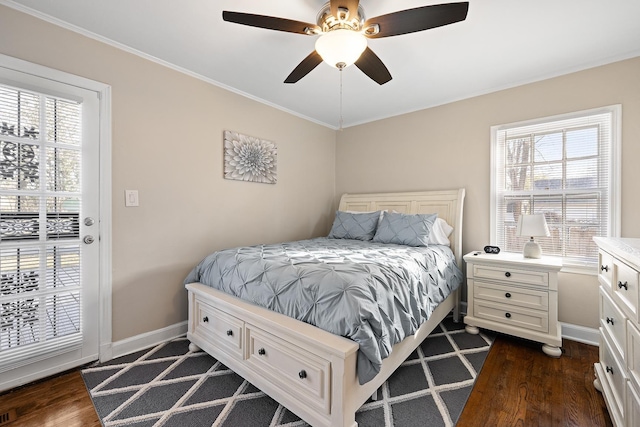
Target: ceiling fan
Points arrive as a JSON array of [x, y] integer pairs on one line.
[[344, 30]]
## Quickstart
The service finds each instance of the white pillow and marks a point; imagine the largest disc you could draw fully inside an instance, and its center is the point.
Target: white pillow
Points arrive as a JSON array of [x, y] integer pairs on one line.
[[440, 233]]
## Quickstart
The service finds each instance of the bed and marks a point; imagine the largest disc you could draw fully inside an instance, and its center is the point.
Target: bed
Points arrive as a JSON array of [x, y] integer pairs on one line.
[[309, 370]]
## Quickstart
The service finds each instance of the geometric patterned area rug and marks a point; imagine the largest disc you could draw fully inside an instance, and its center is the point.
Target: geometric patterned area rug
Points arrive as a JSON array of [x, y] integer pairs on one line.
[[170, 386]]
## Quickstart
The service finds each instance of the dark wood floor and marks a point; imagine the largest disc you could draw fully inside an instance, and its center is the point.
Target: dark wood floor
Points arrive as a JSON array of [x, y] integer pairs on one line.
[[59, 401], [518, 386], [521, 386]]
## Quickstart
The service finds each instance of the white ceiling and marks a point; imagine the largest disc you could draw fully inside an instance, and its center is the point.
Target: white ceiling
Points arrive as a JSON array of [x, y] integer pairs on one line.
[[501, 44]]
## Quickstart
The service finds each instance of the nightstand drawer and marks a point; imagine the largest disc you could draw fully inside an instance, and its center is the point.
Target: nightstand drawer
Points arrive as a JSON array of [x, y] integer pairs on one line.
[[516, 317], [528, 298], [511, 275]]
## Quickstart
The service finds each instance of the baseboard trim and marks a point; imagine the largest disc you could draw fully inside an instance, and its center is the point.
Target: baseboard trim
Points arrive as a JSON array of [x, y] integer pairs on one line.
[[577, 333], [146, 340], [581, 334]]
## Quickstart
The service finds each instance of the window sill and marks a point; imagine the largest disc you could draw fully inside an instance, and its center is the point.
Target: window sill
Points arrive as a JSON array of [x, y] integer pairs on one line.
[[574, 267]]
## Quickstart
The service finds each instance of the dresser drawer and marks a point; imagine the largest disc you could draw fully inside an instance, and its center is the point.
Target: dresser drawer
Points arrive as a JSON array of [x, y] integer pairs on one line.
[[511, 275], [614, 322], [625, 288], [633, 354], [298, 372], [605, 269], [633, 407], [613, 374], [223, 328], [528, 298], [506, 314]]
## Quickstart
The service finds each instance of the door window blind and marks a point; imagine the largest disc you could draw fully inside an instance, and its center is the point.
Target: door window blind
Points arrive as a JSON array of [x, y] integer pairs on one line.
[[40, 289]]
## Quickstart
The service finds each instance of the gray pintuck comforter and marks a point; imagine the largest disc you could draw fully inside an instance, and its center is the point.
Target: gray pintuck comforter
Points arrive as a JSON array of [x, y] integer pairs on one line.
[[375, 294]]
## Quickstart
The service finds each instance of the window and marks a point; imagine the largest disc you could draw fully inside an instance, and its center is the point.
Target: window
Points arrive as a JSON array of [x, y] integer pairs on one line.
[[566, 167]]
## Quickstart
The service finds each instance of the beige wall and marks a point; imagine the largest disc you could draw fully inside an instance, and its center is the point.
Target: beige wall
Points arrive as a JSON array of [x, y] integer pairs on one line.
[[449, 147], [167, 144]]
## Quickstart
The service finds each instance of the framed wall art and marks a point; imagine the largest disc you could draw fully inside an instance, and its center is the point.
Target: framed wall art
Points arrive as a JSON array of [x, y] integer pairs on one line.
[[247, 158]]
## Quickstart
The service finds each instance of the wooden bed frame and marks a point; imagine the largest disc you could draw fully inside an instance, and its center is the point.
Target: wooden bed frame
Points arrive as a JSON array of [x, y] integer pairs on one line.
[[310, 371]]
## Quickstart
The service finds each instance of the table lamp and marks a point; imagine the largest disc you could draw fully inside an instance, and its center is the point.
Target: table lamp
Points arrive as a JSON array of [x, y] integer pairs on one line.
[[532, 226]]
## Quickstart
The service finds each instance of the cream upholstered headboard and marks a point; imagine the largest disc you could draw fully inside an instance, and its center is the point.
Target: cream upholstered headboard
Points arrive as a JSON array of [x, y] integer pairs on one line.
[[446, 203]]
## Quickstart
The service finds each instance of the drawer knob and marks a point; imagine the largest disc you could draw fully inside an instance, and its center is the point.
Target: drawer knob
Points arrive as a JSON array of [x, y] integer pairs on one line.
[[229, 333], [507, 274], [623, 285], [302, 374], [507, 315], [604, 268], [205, 319], [610, 369], [610, 320], [261, 352], [508, 295]]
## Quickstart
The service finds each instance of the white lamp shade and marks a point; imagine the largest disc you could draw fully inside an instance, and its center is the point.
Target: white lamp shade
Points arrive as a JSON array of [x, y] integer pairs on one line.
[[532, 226], [341, 47]]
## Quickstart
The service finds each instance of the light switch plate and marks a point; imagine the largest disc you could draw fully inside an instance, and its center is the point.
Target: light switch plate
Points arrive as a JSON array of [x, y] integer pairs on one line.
[[131, 198]]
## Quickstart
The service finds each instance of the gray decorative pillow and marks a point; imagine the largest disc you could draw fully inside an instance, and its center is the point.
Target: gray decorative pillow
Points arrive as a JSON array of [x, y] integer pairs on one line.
[[403, 229], [358, 226]]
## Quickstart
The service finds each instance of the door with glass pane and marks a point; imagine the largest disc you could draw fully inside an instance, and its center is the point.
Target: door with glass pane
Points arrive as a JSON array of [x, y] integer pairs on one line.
[[49, 227]]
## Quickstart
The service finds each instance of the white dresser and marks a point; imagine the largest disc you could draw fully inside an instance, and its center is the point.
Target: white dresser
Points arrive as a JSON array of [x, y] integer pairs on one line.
[[514, 295], [618, 371]]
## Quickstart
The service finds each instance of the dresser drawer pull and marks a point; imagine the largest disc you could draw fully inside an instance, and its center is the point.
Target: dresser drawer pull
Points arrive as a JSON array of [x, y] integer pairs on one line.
[[610, 370], [508, 295], [604, 268], [205, 319], [507, 274], [261, 352], [507, 315], [610, 320], [302, 374], [623, 285], [229, 333]]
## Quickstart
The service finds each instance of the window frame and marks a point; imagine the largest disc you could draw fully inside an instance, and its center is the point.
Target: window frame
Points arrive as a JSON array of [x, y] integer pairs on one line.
[[614, 170]]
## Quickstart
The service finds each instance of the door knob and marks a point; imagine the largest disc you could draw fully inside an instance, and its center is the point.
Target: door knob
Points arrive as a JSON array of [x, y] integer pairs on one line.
[[88, 239]]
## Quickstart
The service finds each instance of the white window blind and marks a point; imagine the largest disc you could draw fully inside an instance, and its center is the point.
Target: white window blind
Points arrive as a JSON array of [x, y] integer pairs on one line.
[[40, 289], [562, 167]]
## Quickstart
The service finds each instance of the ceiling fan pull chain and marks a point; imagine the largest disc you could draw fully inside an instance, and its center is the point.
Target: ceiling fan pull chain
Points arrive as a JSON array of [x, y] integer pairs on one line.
[[341, 68]]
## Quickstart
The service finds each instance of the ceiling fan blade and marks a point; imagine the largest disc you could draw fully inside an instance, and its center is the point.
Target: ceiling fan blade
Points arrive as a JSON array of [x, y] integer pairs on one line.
[[269, 22], [352, 5], [305, 67], [372, 66], [418, 19]]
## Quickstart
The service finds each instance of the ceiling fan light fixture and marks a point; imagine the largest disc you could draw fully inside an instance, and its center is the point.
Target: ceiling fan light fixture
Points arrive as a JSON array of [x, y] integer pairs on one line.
[[341, 48]]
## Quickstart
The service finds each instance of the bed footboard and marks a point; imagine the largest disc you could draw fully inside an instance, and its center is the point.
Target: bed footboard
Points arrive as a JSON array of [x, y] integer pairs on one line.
[[308, 370]]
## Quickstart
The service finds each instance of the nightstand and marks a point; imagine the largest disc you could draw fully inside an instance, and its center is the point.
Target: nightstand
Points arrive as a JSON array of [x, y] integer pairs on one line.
[[514, 295]]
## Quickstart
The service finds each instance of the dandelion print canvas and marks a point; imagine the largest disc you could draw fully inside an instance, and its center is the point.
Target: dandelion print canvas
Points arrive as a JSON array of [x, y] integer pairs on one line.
[[249, 159]]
